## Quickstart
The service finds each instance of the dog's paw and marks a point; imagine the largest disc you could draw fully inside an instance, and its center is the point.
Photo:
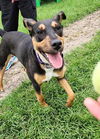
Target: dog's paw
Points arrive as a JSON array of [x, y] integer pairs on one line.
[[68, 104], [44, 104], [70, 100]]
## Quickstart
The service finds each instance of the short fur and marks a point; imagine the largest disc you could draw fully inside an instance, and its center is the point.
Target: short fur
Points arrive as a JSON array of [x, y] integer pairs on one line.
[[47, 38]]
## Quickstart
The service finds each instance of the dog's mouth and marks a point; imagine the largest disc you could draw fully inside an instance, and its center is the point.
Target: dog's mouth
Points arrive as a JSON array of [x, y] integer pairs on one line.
[[56, 60], [49, 55]]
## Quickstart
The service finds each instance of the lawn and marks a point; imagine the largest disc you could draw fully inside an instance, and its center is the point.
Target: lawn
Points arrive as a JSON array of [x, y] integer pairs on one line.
[[74, 9], [21, 116]]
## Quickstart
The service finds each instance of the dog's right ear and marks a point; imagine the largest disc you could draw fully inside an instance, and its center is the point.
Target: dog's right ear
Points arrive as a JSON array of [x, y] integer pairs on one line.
[[60, 16], [28, 23]]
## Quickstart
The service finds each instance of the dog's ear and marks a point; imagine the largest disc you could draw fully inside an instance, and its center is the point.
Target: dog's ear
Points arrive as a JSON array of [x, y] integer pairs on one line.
[[60, 16], [28, 23]]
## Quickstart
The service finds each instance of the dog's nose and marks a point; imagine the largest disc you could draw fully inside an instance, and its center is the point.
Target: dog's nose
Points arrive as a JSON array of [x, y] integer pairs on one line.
[[56, 44]]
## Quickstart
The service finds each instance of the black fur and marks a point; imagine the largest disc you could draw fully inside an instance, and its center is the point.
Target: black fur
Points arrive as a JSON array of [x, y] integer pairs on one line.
[[2, 32], [20, 45]]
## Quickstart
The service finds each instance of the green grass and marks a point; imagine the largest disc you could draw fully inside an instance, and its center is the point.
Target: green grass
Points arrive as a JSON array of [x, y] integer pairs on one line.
[[21, 117], [74, 9]]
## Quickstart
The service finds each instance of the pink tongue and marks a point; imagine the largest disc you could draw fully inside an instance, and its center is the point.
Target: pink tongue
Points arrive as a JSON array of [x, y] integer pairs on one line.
[[55, 60]]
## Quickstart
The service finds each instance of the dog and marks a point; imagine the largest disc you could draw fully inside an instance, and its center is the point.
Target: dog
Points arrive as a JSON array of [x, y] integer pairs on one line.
[[40, 54]]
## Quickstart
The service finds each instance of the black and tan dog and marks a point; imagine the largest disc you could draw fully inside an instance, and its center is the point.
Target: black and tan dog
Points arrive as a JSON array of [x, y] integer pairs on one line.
[[41, 55]]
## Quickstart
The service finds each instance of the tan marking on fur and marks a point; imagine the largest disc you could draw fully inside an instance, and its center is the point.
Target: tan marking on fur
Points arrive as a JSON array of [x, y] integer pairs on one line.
[[61, 72], [60, 14], [42, 66], [39, 78], [31, 21], [40, 99], [43, 45], [68, 90], [61, 39], [42, 27], [2, 73], [38, 44], [54, 24]]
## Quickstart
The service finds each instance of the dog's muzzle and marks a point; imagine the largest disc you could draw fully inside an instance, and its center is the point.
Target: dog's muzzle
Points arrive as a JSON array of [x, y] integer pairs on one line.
[[56, 44]]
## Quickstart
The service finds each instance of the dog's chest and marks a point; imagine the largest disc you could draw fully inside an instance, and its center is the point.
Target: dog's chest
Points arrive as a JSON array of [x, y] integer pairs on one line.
[[49, 74]]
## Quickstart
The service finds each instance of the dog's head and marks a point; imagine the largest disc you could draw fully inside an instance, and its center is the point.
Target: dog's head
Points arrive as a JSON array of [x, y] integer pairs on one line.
[[47, 37]]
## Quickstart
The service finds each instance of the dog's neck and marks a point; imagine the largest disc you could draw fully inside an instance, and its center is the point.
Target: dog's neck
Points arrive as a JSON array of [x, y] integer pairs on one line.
[[42, 60]]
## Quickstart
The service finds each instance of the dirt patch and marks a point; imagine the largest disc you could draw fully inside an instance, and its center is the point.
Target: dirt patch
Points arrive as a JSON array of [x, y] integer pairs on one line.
[[81, 31], [75, 34]]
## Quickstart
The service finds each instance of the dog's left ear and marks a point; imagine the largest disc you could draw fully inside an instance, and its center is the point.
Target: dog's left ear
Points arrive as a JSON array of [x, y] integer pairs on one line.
[[60, 16], [28, 23]]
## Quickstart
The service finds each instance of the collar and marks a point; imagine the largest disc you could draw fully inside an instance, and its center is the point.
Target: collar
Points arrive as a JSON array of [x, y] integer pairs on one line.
[[42, 60]]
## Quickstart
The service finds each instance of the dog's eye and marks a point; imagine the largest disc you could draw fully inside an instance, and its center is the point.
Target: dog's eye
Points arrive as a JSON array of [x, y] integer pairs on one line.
[[59, 30], [58, 27], [40, 35], [40, 32]]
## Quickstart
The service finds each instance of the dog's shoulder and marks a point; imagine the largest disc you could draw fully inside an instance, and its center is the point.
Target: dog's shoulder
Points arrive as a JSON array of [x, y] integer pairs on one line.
[[18, 39], [16, 34]]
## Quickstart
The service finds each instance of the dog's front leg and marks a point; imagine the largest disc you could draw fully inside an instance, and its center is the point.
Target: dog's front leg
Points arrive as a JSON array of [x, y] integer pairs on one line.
[[37, 82], [63, 82], [40, 99]]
